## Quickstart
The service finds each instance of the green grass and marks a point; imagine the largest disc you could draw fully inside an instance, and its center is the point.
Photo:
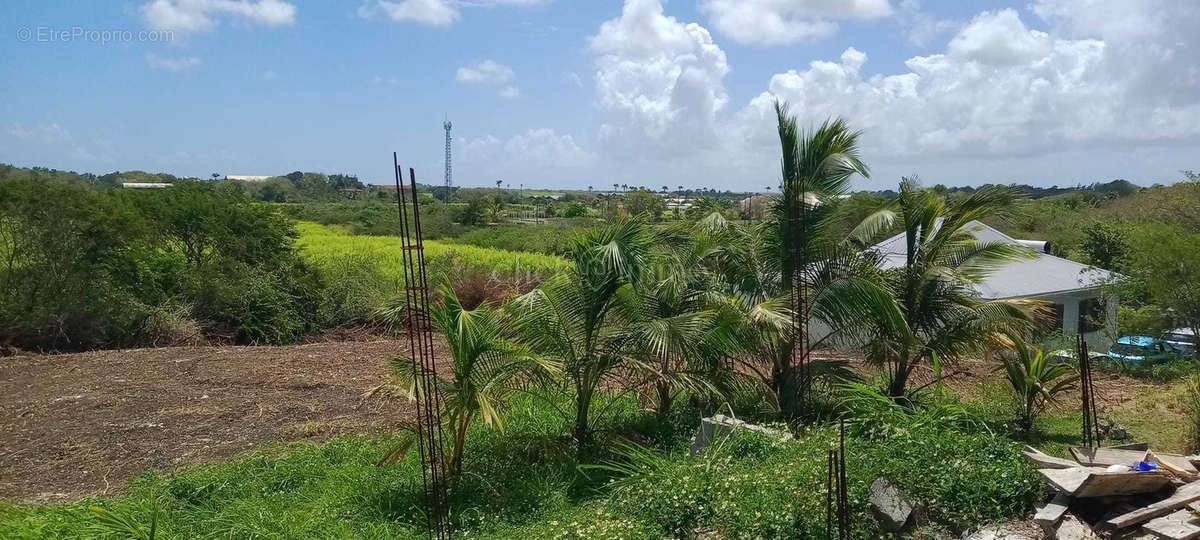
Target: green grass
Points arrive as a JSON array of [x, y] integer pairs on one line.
[[322, 243], [1157, 416], [525, 483]]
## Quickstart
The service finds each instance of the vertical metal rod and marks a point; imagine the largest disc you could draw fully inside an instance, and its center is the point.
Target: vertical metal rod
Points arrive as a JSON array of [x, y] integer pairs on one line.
[[1091, 427], [843, 494], [830, 461], [416, 295], [430, 373]]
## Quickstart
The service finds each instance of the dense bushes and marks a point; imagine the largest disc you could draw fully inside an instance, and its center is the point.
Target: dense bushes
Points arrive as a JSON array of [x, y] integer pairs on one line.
[[91, 268], [84, 268]]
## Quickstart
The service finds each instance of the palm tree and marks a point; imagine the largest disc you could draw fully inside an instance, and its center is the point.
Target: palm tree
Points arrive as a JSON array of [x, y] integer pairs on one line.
[[1035, 378], [494, 210], [486, 368], [935, 286], [822, 278], [569, 317], [679, 332]]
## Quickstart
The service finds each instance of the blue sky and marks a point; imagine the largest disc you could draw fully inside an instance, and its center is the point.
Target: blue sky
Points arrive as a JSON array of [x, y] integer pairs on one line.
[[571, 93]]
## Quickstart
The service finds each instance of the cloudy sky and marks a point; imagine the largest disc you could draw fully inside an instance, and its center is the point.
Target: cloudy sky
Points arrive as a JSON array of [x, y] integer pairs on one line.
[[572, 93]]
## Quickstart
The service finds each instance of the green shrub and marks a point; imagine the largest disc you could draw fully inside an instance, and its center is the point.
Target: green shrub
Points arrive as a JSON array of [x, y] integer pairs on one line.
[[549, 239], [575, 209], [72, 275], [100, 268]]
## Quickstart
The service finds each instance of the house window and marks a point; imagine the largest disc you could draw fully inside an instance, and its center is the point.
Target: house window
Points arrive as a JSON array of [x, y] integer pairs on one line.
[[1052, 321], [1091, 315]]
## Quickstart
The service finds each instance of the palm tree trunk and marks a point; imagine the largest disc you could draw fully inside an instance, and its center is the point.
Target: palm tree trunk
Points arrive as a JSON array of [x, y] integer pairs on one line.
[[664, 397], [582, 431], [460, 438], [899, 383]]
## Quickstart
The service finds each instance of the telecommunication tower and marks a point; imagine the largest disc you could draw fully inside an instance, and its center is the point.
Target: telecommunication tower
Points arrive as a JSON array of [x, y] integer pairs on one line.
[[449, 172]]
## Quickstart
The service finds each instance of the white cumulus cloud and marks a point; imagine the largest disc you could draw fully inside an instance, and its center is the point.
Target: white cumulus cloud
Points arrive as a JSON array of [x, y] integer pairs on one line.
[[427, 12], [484, 72], [774, 22], [490, 73], [536, 156], [659, 82], [186, 16]]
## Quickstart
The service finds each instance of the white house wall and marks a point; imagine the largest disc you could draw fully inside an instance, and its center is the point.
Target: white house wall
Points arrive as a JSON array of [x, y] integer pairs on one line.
[[1099, 340]]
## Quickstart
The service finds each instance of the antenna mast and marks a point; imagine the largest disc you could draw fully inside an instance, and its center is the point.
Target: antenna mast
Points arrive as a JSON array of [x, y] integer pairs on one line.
[[449, 172]]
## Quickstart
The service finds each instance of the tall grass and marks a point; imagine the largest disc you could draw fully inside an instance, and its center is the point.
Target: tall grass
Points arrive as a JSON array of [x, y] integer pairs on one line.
[[363, 276], [1191, 403], [321, 244]]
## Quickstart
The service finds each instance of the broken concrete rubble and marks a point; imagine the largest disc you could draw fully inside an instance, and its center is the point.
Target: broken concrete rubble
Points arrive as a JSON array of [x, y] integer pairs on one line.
[[720, 425]]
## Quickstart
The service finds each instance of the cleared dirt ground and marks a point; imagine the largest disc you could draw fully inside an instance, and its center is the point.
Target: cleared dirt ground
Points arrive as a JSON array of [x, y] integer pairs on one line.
[[84, 424]]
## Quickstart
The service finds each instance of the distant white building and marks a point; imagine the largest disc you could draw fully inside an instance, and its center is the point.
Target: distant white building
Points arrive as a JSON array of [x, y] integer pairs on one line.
[[678, 203], [247, 178], [145, 185]]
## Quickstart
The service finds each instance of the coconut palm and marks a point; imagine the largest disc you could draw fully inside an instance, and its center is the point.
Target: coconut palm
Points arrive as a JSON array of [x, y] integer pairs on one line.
[[823, 278], [1035, 378], [935, 285], [486, 370], [679, 323], [494, 210], [570, 317]]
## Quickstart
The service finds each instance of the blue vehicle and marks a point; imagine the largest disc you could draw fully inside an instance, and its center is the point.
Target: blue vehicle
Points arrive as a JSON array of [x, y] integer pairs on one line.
[[1141, 349]]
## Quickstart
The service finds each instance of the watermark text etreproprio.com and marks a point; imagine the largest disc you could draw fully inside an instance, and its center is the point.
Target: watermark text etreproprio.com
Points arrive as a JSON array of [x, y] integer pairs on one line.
[[50, 34]]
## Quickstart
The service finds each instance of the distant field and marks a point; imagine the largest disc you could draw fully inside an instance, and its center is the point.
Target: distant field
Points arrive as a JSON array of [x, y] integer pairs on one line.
[[323, 243]]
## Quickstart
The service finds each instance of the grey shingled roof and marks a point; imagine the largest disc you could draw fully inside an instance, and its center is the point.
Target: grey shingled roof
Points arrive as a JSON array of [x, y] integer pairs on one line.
[[1039, 276]]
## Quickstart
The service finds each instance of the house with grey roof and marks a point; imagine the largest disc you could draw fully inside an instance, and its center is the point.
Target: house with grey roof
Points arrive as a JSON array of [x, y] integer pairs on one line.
[[1073, 291]]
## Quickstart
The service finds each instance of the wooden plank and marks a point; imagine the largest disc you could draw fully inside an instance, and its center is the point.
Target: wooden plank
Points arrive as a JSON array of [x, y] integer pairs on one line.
[[1096, 482], [1130, 446], [1180, 525], [1068, 480], [1178, 465], [1048, 516], [1103, 457], [1184, 495], [1105, 484], [1046, 461]]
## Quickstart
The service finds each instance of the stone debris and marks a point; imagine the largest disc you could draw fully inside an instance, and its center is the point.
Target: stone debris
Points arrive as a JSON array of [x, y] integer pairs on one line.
[[891, 508], [719, 425], [998, 533]]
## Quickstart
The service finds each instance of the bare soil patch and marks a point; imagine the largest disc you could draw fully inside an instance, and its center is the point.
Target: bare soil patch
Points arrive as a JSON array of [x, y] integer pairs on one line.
[[83, 424]]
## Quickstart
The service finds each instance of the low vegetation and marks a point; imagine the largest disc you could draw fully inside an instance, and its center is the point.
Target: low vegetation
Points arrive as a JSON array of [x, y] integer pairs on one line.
[[525, 482]]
